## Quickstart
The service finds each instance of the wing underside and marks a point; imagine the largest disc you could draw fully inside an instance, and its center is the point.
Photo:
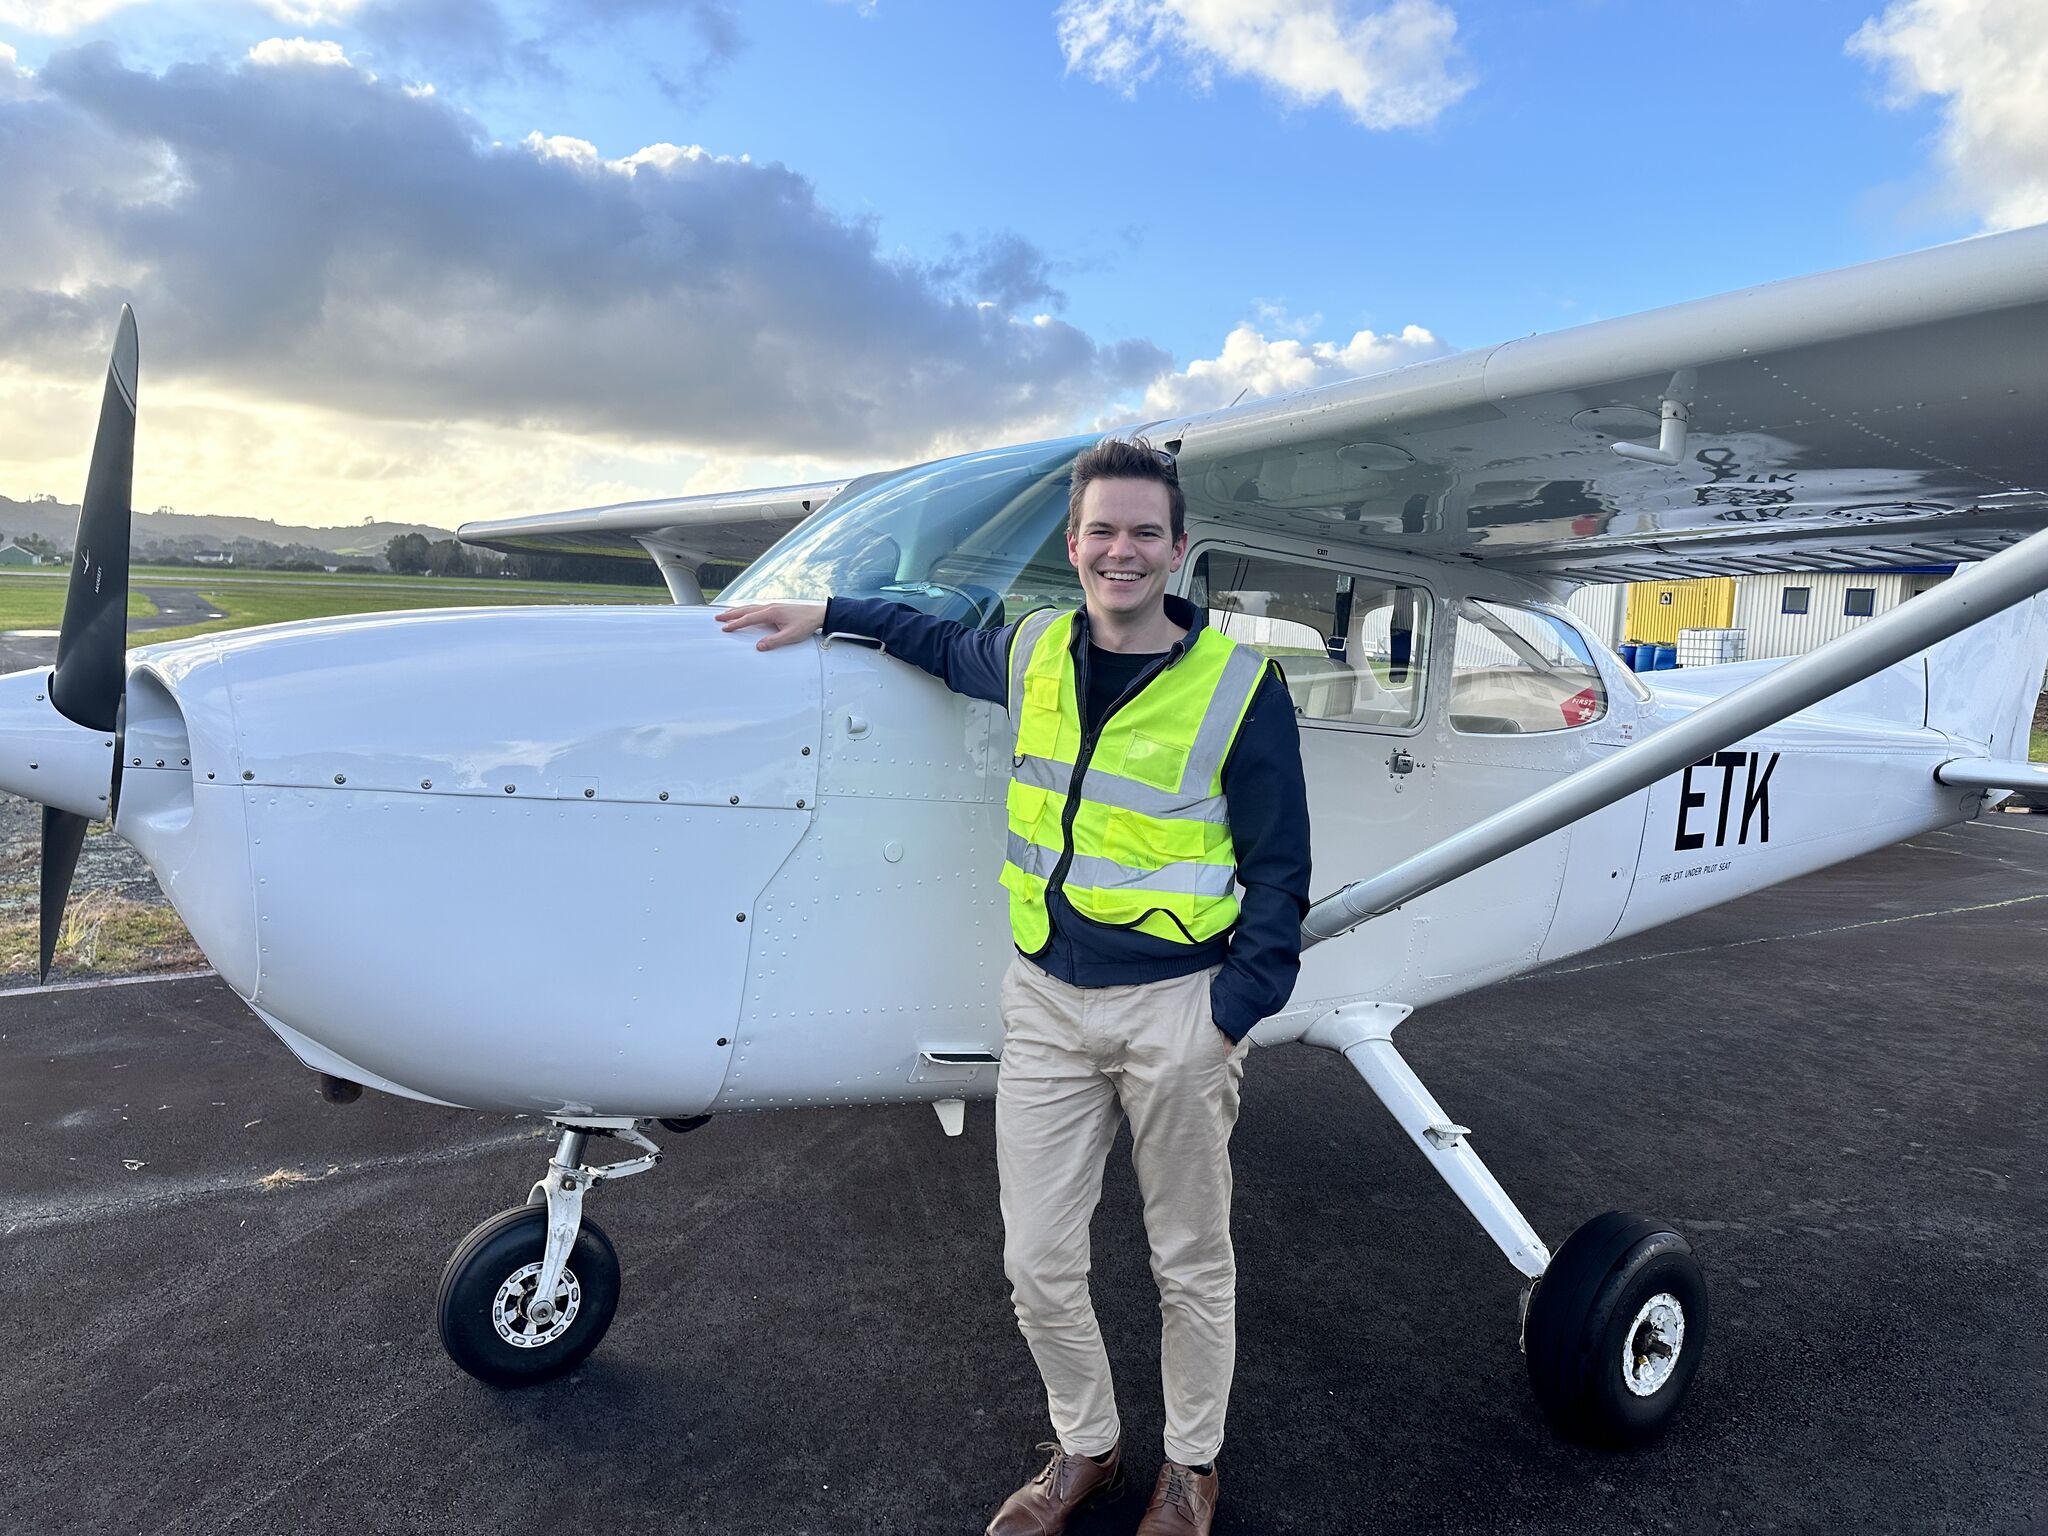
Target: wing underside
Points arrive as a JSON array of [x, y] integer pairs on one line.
[[1883, 415], [1888, 414]]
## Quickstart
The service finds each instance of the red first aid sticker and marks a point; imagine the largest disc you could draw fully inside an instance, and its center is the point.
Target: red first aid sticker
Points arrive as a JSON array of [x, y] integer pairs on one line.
[[1581, 707]]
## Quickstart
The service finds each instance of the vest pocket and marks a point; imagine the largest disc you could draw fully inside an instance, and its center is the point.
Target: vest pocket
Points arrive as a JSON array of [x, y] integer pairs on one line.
[[1152, 761]]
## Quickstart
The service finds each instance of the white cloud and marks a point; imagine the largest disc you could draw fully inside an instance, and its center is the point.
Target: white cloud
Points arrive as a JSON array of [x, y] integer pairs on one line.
[[1989, 58], [1391, 65], [297, 52], [1253, 365], [311, 13], [54, 17], [205, 450]]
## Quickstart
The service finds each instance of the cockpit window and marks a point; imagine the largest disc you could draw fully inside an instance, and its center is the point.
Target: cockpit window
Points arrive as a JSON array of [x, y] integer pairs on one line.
[[1516, 671], [1352, 648], [982, 539]]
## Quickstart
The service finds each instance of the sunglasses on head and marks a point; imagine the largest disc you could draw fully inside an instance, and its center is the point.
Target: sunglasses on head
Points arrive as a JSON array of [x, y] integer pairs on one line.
[[1166, 460]]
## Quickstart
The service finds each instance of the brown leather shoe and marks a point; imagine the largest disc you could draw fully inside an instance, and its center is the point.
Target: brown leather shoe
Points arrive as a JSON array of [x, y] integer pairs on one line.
[[1043, 1506], [1183, 1503]]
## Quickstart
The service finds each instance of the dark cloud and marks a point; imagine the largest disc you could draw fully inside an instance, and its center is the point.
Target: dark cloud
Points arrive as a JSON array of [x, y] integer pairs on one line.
[[309, 231], [458, 41], [1006, 270], [684, 43]]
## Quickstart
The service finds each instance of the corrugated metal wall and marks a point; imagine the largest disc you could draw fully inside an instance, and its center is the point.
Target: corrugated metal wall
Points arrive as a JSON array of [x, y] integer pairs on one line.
[[1658, 610], [1760, 605], [1601, 609]]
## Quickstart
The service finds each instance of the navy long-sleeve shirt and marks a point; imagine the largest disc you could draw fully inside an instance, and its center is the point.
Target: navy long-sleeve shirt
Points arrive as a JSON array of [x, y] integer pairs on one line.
[[1263, 789]]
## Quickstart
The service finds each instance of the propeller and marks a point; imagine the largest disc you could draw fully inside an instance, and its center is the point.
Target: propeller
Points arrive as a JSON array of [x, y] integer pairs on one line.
[[92, 645]]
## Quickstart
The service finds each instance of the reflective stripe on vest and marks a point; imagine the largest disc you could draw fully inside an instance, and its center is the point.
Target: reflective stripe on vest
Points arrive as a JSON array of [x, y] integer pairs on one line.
[[1151, 844]]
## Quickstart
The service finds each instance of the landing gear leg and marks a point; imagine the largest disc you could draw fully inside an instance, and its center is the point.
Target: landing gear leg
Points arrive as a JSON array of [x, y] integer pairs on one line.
[[530, 1292], [1614, 1326]]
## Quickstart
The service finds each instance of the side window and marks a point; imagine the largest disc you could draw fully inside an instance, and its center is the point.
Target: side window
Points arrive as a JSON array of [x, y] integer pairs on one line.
[[1516, 671], [1352, 648]]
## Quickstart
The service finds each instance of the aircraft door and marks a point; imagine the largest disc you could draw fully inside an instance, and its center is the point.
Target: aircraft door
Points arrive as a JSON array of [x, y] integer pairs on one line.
[[1523, 704], [1354, 649]]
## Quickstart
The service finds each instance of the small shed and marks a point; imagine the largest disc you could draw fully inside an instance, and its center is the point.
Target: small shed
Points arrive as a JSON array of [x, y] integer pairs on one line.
[[1791, 613], [12, 553]]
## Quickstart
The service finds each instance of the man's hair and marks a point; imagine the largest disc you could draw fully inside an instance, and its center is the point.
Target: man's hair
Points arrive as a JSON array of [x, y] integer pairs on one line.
[[1127, 458]]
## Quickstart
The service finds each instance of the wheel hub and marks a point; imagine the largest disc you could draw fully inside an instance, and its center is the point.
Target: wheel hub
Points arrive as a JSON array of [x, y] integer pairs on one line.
[[526, 1321], [1650, 1349]]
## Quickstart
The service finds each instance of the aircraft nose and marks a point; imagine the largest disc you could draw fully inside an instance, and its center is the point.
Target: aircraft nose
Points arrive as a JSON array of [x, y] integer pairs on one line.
[[48, 758]]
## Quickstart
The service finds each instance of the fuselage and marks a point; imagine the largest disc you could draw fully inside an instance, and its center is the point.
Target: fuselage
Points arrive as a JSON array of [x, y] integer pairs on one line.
[[610, 861]]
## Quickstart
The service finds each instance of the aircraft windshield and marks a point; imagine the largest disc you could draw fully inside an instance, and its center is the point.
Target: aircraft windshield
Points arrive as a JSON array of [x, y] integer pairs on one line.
[[980, 538]]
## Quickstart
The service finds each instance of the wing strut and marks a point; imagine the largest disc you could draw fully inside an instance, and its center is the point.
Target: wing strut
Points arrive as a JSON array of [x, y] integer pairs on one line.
[[2006, 578]]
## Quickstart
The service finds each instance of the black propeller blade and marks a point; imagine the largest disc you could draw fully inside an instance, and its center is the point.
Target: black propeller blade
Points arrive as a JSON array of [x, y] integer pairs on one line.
[[63, 836], [92, 645]]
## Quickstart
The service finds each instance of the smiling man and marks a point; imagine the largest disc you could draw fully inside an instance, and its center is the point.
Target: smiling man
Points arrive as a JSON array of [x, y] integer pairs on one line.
[[1157, 773]]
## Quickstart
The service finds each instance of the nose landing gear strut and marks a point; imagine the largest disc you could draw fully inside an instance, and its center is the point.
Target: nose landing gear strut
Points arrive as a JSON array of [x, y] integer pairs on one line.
[[530, 1292]]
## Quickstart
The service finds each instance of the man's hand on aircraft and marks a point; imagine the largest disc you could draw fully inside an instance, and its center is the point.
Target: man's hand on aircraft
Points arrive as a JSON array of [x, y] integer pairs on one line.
[[786, 623]]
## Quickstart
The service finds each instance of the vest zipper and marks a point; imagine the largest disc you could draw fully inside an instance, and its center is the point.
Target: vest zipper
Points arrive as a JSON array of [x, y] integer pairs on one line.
[[1058, 879]]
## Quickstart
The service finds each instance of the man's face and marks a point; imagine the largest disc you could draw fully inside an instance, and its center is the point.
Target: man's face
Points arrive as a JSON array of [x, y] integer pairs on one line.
[[1124, 546]]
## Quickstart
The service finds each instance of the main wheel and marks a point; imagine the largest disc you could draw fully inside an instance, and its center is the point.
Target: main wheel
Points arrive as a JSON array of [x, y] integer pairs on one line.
[[1615, 1330], [490, 1282]]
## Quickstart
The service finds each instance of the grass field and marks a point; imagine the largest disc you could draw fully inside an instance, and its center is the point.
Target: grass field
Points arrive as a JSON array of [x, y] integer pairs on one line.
[[197, 576], [2039, 753], [37, 601], [42, 607]]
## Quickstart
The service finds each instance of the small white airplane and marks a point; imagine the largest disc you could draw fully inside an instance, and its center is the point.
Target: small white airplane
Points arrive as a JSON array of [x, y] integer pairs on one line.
[[687, 877]]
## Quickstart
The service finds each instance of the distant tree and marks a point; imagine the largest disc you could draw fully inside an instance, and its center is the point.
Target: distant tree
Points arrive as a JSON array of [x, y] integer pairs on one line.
[[357, 568], [446, 557], [617, 570], [406, 553]]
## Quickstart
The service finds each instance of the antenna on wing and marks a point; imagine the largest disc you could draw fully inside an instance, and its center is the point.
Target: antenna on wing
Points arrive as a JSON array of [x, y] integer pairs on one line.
[[1672, 417]]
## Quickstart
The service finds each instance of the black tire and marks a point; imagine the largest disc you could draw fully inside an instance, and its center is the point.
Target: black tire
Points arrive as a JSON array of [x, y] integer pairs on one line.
[[1582, 1316], [480, 1267]]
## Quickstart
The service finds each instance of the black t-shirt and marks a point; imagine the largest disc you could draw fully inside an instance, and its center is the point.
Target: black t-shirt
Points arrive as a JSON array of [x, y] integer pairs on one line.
[[1110, 675]]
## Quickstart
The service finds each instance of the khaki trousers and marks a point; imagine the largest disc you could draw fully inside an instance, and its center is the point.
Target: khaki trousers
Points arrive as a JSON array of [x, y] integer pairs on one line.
[[1076, 1060]]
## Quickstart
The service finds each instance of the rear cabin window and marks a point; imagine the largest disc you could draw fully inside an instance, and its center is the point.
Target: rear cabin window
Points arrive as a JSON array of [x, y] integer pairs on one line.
[[1352, 648], [1516, 672]]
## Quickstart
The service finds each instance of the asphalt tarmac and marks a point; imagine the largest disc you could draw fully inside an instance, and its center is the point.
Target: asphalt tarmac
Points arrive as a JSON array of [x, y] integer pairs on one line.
[[1836, 1089], [21, 648]]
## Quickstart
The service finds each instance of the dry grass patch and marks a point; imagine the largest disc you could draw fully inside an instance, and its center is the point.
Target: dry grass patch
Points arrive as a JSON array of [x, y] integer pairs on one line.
[[104, 934]]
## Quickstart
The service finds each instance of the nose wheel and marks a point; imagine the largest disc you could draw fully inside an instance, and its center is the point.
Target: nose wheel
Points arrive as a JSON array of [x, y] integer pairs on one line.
[[530, 1292], [1615, 1330], [493, 1321]]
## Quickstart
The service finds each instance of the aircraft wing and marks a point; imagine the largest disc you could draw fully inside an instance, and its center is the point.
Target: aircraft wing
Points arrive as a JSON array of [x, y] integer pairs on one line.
[[682, 533], [1886, 414]]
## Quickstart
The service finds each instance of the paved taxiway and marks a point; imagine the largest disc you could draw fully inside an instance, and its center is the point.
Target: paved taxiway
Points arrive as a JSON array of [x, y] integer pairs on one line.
[[1837, 1088]]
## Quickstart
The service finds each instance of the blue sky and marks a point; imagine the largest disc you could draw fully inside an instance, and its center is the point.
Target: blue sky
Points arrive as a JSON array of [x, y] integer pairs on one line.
[[369, 300]]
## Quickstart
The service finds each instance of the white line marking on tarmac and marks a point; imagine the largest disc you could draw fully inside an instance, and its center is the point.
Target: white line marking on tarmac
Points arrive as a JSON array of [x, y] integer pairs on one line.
[[147, 1196], [1998, 826], [107, 981], [1779, 938]]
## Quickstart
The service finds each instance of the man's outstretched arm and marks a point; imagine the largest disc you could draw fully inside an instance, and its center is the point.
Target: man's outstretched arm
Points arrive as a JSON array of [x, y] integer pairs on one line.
[[970, 661]]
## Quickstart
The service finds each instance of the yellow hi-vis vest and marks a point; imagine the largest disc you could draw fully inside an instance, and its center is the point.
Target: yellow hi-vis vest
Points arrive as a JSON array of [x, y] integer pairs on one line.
[[1134, 829]]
